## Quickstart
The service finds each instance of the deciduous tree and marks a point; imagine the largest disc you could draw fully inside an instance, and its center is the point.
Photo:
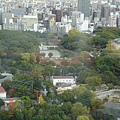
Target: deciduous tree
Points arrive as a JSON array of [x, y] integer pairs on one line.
[[94, 81], [1, 103], [82, 118], [79, 109], [50, 54]]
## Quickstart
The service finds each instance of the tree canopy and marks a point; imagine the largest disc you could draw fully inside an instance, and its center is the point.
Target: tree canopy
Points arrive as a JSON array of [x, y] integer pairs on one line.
[[75, 40], [17, 41]]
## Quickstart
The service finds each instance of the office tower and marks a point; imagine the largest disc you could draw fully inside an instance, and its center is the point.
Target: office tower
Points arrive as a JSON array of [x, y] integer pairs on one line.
[[76, 17], [118, 21], [96, 14], [84, 7], [105, 11], [112, 20], [52, 22], [58, 14]]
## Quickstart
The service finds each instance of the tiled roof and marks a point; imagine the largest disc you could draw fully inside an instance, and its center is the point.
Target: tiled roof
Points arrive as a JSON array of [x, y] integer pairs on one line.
[[2, 89], [63, 77]]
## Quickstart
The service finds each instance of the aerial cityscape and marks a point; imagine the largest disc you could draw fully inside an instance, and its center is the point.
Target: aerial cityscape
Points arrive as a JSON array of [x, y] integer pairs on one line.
[[60, 60], [59, 16]]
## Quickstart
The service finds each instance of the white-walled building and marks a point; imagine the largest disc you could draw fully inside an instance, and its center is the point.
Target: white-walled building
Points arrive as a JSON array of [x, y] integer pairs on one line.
[[64, 19], [63, 80], [81, 18], [112, 20], [52, 24], [63, 27], [91, 27], [83, 26], [2, 92], [68, 27], [6, 76]]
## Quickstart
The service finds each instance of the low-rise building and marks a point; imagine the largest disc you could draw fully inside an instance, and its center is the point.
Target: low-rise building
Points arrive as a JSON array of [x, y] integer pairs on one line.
[[6, 76], [2, 92], [61, 89], [69, 80], [13, 26]]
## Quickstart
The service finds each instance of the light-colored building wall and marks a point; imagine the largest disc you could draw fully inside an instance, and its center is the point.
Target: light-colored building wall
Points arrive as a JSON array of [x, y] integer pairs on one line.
[[77, 17], [6, 17], [3, 95], [29, 22], [13, 26], [68, 27], [62, 89], [6, 76], [83, 26], [52, 24], [112, 20], [116, 43], [116, 46], [63, 79]]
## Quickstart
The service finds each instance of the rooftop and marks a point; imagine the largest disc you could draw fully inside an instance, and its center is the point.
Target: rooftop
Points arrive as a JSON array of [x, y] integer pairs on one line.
[[63, 77], [6, 74], [2, 89]]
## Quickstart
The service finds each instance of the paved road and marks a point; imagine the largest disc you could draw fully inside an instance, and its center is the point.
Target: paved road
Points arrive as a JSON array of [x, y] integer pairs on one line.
[[104, 94]]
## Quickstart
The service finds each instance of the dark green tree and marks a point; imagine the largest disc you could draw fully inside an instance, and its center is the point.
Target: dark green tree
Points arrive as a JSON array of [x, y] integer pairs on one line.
[[50, 54], [4, 115], [78, 109], [1, 103]]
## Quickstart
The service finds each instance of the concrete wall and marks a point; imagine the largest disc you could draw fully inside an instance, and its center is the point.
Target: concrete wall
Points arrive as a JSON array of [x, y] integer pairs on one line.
[[3, 95], [67, 81], [28, 22]]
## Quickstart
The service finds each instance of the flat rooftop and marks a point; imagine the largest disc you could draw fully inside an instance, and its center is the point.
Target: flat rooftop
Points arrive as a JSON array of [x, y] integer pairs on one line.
[[63, 77]]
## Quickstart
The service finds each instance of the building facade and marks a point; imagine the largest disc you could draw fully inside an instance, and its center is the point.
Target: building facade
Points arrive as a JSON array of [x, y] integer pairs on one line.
[[2, 92], [63, 80], [105, 11], [58, 14], [30, 23], [84, 7]]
